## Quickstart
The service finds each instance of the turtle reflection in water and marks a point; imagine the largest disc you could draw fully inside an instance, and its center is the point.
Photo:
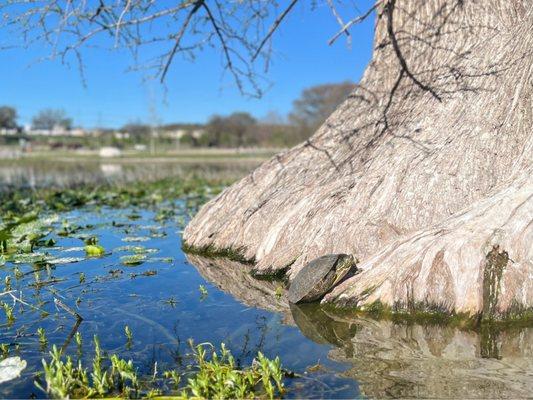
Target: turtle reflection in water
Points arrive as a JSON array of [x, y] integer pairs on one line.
[[320, 276]]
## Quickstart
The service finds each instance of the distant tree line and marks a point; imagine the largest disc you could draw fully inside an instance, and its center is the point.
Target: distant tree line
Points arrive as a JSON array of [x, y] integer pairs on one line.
[[8, 117], [49, 119], [46, 119], [238, 129]]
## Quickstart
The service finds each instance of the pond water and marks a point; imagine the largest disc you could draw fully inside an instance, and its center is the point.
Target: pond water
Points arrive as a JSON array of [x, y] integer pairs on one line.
[[37, 173], [144, 281]]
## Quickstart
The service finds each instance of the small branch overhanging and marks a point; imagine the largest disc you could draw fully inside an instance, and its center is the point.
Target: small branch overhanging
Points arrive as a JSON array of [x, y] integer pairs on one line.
[[196, 7], [339, 20], [238, 29], [273, 28], [355, 21]]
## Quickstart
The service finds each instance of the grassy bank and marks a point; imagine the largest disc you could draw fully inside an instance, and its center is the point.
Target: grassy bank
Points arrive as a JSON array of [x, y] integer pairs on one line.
[[189, 155]]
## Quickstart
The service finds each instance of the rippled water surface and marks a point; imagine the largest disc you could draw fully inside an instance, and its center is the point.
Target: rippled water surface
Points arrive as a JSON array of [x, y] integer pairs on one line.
[[334, 355]]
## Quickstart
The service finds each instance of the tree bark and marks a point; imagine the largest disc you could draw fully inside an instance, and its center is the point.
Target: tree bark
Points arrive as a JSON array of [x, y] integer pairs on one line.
[[423, 173]]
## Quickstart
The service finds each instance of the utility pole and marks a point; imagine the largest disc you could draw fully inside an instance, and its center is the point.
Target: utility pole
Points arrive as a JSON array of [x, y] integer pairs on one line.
[[154, 119]]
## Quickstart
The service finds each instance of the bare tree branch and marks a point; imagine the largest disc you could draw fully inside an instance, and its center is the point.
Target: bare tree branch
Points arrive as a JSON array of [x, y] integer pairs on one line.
[[196, 7], [240, 29], [273, 28], [339, 20], [353, 22]]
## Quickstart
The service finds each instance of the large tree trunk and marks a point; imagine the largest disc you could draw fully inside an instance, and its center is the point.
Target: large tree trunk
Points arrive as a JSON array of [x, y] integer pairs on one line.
[[424, 173]]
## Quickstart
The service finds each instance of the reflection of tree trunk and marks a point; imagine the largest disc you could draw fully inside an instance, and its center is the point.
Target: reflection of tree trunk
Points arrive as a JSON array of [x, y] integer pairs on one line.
[[436, 362], [421, 173], [398, 361], [235, 278]]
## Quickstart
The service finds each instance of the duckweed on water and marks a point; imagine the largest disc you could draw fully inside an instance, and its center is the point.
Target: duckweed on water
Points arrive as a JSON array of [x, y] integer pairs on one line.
[[142, 194], [94, 250], [34, 233]]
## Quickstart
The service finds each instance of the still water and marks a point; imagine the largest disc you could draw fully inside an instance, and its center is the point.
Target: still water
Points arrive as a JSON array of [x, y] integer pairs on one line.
[[45, 173], [333, 355]]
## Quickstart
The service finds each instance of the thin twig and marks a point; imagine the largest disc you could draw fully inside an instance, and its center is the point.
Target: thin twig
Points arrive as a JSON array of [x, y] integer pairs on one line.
[[197, 5], [225, 48], [273, 28], [19, 299], [71, 335], [122, 14], [354, 21], [339, 20]]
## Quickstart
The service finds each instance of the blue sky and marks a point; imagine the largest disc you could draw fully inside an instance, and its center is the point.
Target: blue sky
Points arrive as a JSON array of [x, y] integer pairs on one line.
[[194, 91]]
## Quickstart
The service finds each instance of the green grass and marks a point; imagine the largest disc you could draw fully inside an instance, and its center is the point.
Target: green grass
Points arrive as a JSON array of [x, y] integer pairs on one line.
[[214, 373]]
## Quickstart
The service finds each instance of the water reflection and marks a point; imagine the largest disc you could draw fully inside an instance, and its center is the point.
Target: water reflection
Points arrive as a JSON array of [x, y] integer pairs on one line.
[[235, 278], [111, 170], [398, 360]]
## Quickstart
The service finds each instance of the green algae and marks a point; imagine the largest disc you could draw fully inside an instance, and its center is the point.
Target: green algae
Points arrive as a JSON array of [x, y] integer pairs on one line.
[[495, 264], [426, 314], [211, 251]]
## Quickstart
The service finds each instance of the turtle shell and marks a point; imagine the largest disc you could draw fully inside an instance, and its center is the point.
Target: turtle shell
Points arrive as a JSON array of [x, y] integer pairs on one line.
[[315, 279]]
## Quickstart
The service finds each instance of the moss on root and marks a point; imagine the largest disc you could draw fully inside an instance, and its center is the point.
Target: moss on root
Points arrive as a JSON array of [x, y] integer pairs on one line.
[[495, 264], [416, 315], [424, 314], [412, 313], [271, 276], [213, 252]]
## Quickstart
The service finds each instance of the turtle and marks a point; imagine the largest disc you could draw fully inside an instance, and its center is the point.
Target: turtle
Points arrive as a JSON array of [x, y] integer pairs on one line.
[[319, 276]]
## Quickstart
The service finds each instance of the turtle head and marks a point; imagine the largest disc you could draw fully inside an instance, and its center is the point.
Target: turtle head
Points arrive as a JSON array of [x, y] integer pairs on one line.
[[344, 264]]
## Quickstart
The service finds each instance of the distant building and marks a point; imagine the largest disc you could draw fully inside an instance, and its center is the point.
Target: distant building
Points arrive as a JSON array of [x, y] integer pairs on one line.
[[77, 132], [121, 135], [174, 134], [8, 132], [198, 133], [109, 152], [57, 130]]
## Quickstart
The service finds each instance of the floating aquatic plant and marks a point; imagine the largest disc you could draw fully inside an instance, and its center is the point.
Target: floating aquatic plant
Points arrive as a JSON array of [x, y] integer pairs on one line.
[[94, 250], [134, 259], [8, 310]]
